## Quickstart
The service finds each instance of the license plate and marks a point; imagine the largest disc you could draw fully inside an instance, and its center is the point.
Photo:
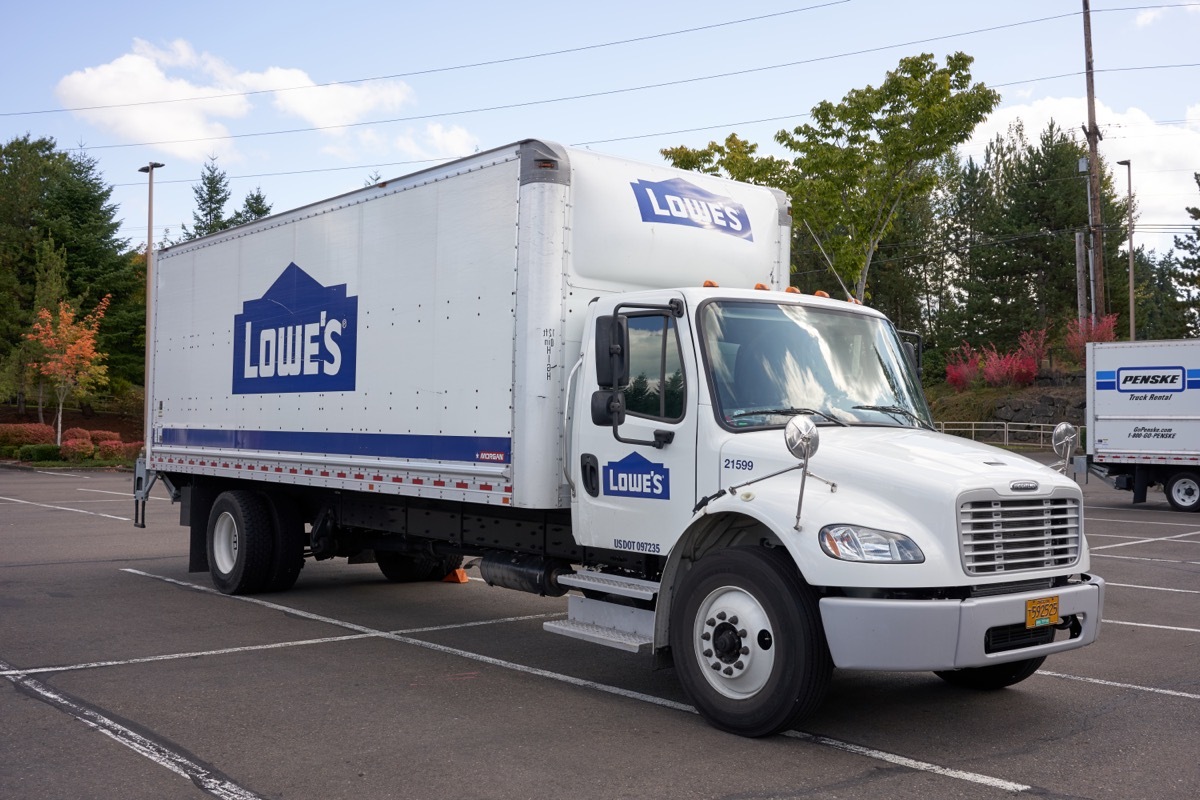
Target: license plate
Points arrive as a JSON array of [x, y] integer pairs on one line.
[[1041, 611]]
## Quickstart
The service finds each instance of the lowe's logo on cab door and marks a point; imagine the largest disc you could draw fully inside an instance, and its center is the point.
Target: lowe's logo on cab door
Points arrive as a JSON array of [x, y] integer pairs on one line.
[[636, 476], [299, 336], [678, 202]]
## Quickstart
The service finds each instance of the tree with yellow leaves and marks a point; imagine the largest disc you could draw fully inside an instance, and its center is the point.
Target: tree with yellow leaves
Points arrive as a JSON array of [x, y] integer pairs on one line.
[[66, 354]]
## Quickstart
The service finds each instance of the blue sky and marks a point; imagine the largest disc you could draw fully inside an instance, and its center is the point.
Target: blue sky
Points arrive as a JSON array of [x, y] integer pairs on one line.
[[627, 78]]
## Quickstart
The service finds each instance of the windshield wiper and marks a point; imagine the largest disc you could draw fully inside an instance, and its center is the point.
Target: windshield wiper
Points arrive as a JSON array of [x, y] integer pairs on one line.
[[900, 411], [789, 412]]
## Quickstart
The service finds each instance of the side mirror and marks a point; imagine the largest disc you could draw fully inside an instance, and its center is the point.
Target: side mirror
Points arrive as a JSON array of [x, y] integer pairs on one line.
[[608, 407], [802, 437], [1064, 441], [612, 352]]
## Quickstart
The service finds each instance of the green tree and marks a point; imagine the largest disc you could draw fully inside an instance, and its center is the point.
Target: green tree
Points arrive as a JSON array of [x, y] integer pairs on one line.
[[46, 196], [858, 161], [211, 193], [255, 206]]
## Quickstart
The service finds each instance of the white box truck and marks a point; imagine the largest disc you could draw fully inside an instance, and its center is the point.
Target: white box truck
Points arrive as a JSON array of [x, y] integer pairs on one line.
[[590, 375], [1143, 417]]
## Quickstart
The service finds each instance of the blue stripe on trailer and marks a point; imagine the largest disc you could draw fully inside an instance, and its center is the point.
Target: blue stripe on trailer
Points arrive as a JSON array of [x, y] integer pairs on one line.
[[484, 449]]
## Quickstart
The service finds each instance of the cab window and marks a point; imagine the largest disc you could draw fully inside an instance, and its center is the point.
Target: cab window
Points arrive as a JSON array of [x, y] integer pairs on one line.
[[656, 386]]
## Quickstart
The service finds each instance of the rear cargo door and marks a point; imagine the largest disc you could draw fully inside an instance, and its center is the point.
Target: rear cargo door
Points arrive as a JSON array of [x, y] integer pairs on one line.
[[632, 495]]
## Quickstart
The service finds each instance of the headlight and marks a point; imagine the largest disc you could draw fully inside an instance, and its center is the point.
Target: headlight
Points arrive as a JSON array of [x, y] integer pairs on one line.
[[855, 543]]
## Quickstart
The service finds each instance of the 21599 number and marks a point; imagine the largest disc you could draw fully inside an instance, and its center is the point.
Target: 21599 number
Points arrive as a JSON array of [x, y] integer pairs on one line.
[[739, 463]]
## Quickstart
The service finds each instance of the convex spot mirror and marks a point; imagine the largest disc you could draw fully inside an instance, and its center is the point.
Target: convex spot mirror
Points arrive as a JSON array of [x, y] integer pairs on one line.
[[1064, 440], [802, 437]]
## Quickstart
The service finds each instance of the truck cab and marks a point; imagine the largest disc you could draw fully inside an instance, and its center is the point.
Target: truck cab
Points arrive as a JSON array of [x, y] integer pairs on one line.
[[772, 456]]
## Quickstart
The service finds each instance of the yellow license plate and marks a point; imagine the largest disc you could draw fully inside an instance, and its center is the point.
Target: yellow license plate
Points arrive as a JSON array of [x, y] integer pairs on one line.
[[1041, 611]]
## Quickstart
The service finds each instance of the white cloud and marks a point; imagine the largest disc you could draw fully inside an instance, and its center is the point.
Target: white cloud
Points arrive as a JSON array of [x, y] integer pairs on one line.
[[207, 92], [437, 141], [1162, 156], [1148, 17]]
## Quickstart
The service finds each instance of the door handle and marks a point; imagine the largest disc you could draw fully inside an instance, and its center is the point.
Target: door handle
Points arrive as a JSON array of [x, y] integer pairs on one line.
[[589, 473]]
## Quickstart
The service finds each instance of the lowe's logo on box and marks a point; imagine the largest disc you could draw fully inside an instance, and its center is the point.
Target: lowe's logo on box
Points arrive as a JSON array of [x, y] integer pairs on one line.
[[635, 476], [678, 202], [298, 337]]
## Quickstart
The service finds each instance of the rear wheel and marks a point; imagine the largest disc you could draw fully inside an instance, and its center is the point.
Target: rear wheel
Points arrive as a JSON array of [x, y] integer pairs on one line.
[[240, 542], [287, 556], [410, 568], [747, 642], [997, 676], [1183, 491]]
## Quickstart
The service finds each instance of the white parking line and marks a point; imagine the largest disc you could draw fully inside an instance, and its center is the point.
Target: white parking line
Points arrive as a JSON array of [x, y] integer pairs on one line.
[[1148, 625], [1152, 588], [65, 508], [1142, 522], [127, 495], [1142, 558], [204, 777], [1146, 541], [1114, 684], [825, 741]]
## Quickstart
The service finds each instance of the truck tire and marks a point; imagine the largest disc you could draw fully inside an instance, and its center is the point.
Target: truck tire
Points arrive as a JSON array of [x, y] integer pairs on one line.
[[1183, 491], [409, 568], [287, 554], [240, 542], [997, 676], [747, 642]]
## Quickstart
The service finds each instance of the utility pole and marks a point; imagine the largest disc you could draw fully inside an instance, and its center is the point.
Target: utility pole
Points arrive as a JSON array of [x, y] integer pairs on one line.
[[1093, 137]]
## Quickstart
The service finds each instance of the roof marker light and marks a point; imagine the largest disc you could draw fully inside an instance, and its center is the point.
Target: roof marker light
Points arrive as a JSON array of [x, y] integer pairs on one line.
[[711, 285], [762, 287]]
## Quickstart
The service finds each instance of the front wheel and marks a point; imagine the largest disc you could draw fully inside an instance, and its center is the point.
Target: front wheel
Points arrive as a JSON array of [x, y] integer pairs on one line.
[[1183, 491], [747, 642], [997, 676]]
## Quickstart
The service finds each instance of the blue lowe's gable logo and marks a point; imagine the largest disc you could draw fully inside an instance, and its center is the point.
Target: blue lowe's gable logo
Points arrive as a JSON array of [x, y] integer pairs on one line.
[[1148, 379], [635, 476], [298, 337], [678, 202]]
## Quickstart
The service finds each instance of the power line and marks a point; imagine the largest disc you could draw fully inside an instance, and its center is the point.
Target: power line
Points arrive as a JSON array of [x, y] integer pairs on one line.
[[436, 70], [603, 93]]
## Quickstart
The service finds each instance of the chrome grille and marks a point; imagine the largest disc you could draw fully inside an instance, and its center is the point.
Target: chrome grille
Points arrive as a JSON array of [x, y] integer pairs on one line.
[[1013, 535]]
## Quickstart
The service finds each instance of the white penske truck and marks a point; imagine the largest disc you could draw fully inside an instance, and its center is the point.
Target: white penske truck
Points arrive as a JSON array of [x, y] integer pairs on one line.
[[587, 375], [1143, 417]]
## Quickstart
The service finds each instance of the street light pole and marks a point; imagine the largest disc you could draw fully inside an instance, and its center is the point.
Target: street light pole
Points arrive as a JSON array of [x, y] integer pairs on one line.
[[1129, 177], [146, 418]]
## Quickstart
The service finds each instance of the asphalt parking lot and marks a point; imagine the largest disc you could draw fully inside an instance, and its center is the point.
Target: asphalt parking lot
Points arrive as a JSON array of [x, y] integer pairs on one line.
[[125, 676]]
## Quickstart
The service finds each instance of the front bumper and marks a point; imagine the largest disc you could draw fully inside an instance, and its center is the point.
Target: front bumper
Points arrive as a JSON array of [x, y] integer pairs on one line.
[[901, 635]]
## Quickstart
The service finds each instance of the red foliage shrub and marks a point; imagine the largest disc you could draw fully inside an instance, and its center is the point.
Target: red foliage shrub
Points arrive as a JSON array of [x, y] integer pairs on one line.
[[111, 450], [962, 367], [77, 433], [1032, 345], [133, 449], [1082, 331], [1008, 369], [77, 449], [17, 434], [105, 436]]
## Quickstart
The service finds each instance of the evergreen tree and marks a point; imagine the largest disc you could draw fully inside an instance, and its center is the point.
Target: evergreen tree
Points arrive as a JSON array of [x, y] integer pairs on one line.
[[212, 193], [255, 206]]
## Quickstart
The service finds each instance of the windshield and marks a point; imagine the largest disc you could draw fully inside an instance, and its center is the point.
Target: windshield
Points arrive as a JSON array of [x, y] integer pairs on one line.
[[770, 361]]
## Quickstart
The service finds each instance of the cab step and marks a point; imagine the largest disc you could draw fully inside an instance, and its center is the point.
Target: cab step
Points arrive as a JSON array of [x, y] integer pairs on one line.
[[611, 584], [623, 627], [601, 622]]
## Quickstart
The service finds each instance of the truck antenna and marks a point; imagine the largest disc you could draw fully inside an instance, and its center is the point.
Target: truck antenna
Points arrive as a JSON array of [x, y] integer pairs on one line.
[[827, 261]]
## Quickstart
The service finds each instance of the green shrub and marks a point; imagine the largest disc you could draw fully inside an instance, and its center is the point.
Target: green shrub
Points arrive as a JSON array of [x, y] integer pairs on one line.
[[77, 449], [39, 452]]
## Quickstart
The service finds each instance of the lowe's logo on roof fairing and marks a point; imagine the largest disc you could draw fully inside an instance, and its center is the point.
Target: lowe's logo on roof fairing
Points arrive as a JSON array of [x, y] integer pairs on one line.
[[678, 202], [299, 336]]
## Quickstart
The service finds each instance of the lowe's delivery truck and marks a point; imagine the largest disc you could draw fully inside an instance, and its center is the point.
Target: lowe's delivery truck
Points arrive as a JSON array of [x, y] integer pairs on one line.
[[587, 375], [1143, 417]]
